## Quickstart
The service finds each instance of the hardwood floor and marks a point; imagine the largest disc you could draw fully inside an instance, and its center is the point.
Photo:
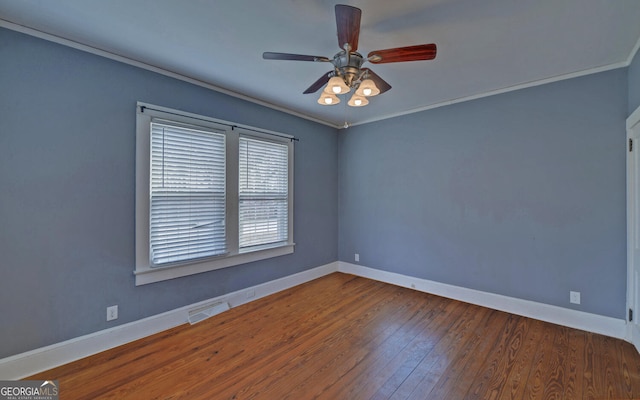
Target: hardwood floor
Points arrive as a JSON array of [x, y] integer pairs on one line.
[[344, 337]]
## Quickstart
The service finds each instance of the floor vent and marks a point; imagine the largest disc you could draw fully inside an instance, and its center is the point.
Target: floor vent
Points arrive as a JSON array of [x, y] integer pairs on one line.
[[201, 313]]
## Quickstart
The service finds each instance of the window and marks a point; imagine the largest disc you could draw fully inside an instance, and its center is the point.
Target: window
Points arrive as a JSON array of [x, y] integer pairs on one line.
[[263, 193], [208, 196], [187, 209]]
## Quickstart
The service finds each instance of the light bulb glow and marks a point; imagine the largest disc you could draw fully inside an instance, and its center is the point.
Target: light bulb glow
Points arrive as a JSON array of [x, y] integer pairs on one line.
[[367, 88], [328, 99], [358, 101], [336, 86]]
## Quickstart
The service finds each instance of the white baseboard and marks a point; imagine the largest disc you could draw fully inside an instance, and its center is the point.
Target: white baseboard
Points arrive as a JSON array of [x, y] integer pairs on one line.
[[558, 315], [633, 336], [42, 359]]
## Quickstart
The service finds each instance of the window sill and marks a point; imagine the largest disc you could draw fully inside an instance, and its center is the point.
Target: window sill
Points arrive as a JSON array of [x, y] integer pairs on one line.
[[145, 275]]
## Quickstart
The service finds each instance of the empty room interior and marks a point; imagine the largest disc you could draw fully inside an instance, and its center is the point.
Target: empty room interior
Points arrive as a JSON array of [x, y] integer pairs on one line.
[[366, 200]]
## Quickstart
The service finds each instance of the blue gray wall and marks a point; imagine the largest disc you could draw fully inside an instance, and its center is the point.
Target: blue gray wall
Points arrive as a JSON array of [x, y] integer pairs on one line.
[[67, 188], [520, 194], [634, 83]]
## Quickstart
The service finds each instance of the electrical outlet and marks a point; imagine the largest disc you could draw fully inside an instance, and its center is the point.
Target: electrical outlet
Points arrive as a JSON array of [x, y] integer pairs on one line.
[[574, 297], [112, 313], [357, 257]]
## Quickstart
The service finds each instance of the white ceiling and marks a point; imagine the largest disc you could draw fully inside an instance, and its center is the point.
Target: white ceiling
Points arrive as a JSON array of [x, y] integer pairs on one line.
[[483, 46]]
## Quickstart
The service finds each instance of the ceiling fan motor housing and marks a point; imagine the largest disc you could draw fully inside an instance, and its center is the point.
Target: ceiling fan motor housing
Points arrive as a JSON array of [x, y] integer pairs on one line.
[[348, 66]]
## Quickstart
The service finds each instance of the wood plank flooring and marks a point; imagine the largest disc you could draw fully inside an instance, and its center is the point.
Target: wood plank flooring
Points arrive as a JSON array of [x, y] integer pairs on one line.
[[345, 337]]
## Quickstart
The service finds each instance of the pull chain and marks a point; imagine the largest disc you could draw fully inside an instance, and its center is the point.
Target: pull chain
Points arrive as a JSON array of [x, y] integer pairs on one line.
[[346, 124]]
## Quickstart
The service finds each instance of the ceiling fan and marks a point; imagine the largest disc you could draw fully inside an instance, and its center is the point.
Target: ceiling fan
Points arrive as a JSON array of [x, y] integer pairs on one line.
[[348, 73]]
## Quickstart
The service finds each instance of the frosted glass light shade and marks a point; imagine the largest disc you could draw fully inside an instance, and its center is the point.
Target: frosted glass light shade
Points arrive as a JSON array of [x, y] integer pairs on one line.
[[358, 101], [328, 99], [367, 88], [336, 86]]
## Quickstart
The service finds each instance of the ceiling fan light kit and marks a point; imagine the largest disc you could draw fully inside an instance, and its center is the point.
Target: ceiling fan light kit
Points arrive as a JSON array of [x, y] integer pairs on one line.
[[348, 73]]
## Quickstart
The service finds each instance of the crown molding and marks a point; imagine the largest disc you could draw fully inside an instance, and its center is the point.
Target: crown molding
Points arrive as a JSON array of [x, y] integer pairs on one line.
[[126, 60], [172, 74]]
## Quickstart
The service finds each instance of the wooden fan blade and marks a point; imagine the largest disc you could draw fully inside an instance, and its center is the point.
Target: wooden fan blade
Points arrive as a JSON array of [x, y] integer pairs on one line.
[[319, 83], [381, 84], [348, 23], [267, 55], [400, 54]]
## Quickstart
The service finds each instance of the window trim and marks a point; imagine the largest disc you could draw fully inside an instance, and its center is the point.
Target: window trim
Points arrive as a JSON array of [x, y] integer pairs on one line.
[[144, 272]]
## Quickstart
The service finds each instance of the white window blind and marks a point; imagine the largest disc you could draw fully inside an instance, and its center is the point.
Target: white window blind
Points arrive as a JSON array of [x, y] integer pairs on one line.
[[187, 204], [210, 194], [263, 193]]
